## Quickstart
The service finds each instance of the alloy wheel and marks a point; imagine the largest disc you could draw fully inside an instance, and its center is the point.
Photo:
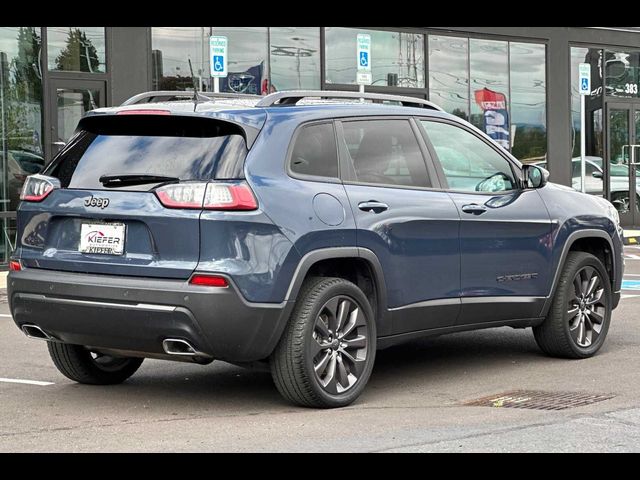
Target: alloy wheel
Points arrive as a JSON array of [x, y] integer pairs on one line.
[[339, 345], [587, 307]]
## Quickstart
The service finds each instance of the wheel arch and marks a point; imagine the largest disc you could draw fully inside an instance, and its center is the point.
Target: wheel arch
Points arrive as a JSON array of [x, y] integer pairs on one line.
[[583, 241], [314, 261]]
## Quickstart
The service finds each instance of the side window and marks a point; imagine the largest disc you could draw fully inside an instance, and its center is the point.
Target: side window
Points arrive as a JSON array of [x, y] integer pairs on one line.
[[385, 152], [315, 152], [469, 163]]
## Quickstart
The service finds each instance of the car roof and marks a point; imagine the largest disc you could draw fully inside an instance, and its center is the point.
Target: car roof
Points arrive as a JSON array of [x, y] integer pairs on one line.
[[243, 111]]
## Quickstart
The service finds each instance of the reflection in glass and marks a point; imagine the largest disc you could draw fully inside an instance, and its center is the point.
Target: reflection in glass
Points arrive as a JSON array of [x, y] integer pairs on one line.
[[489, 71], [619, 160], [397, 58], [527, 64], [172, 48], [247, 62], [76, 49], [294, 58], [469, 164], [622, 74], [593, 104], [21, 151], [72, 105], [449, 74], [636, 160]]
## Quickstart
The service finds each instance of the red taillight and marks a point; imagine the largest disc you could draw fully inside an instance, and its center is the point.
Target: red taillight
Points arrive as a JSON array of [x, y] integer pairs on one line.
[[208, 196], [15, 266], [229, 196], [144, 111], [37, 187], [209, 281]]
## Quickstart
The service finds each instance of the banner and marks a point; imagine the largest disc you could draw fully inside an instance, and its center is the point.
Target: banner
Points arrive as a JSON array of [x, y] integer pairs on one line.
[[495, 116]]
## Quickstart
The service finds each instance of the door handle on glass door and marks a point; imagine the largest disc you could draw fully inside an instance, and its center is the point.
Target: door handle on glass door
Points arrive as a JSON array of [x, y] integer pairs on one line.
[[474, 209], [373, 206]]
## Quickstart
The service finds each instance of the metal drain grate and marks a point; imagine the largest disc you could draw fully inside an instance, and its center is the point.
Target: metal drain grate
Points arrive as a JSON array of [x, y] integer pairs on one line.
[[535, 400]]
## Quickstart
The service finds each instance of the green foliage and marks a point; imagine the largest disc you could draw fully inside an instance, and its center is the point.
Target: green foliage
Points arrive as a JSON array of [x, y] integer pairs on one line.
[[79, 55]]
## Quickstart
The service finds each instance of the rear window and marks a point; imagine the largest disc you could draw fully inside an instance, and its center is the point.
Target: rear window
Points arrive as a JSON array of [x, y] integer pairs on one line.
[[315, 152], [182, 147]]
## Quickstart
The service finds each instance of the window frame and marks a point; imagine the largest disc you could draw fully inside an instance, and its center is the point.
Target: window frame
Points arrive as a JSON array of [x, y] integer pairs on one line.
[[347, 173], [291, 147], [516, 168]]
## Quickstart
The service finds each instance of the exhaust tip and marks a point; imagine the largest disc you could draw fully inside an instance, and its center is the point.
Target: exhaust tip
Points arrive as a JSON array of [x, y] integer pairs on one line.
[[34, 331], [176, 346]]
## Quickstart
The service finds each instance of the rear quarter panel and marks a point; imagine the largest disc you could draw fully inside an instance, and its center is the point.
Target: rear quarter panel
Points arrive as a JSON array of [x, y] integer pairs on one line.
[[289, 202]]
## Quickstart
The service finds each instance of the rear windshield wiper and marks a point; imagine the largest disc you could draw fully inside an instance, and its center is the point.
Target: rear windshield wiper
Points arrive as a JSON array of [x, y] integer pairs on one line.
[[134, 179]]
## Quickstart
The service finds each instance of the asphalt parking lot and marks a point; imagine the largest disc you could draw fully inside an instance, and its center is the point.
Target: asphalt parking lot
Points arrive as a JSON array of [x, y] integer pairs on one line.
[[414, 401]]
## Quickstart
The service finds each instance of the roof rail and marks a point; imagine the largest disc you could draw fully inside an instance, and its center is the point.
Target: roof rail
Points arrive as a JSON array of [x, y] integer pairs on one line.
[[168, 96], [293, 97]]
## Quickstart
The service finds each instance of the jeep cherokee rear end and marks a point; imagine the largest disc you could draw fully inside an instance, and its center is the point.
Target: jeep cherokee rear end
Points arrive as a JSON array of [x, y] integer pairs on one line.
[[111, 240]]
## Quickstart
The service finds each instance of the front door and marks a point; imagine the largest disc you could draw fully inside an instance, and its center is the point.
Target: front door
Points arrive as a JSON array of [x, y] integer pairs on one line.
[[505, 231], [69, 101], [623, 140]]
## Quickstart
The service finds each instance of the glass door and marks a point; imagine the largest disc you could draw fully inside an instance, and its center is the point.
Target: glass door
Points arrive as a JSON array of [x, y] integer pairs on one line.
[[623, 134], [70, 100]]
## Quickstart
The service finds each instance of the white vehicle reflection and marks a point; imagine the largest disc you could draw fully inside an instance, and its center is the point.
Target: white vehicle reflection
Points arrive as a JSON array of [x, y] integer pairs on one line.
[[595, 181]]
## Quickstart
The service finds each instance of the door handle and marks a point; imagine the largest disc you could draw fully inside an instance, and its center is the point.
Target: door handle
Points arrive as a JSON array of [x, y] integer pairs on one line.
[[58, 144], [474, 209], [373, 206]]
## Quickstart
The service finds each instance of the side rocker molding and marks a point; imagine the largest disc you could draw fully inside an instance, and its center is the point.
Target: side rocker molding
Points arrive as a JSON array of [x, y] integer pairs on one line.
[[316, 256], [571, 239]]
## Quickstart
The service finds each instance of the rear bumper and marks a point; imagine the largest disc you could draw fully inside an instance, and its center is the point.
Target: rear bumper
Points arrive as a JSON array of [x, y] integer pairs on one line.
[[137, 314]]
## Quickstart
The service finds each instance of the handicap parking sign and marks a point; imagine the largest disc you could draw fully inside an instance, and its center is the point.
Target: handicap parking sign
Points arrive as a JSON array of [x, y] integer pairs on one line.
[[363, 43], [364, 59], [218, 63], [218, 54]]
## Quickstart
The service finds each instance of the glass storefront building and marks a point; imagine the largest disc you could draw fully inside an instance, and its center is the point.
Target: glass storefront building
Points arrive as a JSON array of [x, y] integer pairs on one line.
[[518, 84]]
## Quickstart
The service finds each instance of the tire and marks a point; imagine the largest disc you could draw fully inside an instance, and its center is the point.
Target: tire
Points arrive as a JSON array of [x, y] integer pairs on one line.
[[561, 335], [344, 363], [78, 364]]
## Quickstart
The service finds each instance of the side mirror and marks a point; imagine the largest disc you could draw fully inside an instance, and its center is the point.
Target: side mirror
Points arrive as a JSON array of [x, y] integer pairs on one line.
[[598, 175], [534, 176]]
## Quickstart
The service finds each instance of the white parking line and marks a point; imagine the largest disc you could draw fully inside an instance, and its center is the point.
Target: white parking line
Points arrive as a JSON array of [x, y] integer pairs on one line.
[[26, 382], [5, 315]]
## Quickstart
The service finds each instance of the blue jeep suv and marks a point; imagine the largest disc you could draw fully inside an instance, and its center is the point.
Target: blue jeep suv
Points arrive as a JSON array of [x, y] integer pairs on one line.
[[300, 235]]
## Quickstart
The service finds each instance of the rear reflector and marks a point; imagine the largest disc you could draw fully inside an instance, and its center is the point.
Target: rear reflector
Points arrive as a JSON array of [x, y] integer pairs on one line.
[[15, 266], [208, 196], [209, 281], [148, 111]]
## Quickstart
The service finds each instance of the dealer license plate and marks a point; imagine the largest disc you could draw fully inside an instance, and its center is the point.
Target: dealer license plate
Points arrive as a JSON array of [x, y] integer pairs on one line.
[[102, 238]]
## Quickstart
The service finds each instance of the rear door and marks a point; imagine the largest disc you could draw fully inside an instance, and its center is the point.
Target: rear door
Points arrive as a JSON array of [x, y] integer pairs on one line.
[[410, 226], [80, 226], [505, 231]]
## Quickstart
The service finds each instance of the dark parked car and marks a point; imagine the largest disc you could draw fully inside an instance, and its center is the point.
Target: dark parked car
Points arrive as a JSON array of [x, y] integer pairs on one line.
[[302, 237]]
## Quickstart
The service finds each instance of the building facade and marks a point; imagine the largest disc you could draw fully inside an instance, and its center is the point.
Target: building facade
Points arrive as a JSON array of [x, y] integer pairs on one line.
[[518, 84]]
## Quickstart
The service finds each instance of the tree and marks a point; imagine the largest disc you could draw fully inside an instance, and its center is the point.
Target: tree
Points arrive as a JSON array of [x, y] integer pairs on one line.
[[26, 65], [79, 55]]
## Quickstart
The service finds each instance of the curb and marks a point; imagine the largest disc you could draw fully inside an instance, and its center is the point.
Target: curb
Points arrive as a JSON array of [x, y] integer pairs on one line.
[[631, 237]]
